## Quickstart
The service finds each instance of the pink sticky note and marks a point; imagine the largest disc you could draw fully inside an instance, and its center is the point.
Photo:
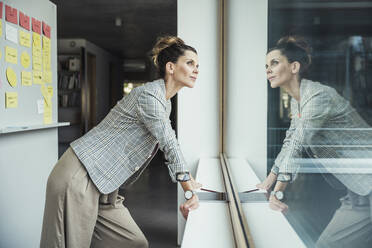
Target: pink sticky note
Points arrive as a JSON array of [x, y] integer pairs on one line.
[[11, 14], [1, 10], [36, 26], [24, 21], [46, 30]]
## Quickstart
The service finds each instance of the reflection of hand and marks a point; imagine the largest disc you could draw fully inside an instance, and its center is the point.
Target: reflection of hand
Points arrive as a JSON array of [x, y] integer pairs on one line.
[[189, 205], [277, 205], [268, 182]]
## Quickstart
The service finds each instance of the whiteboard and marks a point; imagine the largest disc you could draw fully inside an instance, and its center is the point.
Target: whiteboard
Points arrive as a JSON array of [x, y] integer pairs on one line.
[[26, 114]]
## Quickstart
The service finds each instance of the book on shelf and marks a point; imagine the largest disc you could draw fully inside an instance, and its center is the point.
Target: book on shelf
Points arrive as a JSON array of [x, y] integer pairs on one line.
[[69, 82]]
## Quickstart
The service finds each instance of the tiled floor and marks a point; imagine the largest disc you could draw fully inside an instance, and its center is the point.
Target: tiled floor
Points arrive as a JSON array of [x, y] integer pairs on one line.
[[152, 201]]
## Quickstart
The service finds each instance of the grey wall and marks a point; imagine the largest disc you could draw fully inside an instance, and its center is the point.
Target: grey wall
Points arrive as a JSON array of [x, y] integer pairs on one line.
[[26, 158]]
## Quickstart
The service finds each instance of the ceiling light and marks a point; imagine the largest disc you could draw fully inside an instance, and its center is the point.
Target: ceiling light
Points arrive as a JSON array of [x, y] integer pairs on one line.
[[118, 22]]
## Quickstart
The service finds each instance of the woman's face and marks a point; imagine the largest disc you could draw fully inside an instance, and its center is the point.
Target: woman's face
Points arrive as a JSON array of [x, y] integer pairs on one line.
[[186, 69], [278, 70]]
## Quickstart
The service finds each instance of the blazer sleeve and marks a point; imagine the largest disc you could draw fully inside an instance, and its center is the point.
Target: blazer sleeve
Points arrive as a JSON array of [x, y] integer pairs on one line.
[[153, 114], [285, 148], [315, 112]]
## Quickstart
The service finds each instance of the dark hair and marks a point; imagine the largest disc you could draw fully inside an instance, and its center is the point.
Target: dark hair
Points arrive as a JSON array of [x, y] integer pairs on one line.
[[168, 49], [295, 48]]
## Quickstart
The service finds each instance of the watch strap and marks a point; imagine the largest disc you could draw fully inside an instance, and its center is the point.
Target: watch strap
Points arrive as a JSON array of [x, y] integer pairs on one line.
[[183, 176]]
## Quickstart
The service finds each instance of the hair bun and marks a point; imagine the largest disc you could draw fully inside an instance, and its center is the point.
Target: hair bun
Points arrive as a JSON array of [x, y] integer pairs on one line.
[[297, 41], [163, 43]]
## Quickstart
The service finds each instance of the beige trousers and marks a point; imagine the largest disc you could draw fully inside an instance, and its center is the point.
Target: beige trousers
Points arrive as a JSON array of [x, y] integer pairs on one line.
[[77, 215]]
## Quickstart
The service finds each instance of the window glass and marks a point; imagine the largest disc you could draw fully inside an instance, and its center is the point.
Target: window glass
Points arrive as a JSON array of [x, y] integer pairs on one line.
[[321, 142]]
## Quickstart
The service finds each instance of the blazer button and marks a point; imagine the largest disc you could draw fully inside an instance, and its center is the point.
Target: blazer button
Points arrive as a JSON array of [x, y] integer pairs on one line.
[[149, 156], [136, 168], [315, 156]]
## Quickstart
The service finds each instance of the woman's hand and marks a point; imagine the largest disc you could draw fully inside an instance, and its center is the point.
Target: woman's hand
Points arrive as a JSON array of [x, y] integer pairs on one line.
[[189, 205], [195, 184], [268, 182], [277, 205]]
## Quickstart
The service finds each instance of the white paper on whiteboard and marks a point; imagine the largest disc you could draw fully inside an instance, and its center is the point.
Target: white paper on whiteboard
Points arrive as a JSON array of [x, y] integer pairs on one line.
[[11, 33], [40, 106]]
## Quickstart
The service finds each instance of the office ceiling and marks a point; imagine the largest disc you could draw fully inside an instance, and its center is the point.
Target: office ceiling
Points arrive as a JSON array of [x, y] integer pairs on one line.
[[144, 20], [94, 20]]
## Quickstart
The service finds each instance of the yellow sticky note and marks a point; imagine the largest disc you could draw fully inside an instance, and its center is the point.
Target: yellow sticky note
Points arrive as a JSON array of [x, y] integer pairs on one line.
[[24, 38], [46, 61], [38, 77], [47, 114], [26, 78], [36, 51], [36, 63], [11, 55], [44, 91], [11, 99], [46, 94], [36, 40], [46, 43], [50, 91], [1, 28], [11, 76], [25, 59], [47, 76]]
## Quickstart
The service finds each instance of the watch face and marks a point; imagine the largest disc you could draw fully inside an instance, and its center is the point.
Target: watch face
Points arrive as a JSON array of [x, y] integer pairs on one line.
[[279, 195], [188, 194]]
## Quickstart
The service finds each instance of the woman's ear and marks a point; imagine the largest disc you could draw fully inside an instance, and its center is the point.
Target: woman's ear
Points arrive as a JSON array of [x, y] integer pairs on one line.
[[169, 68], [295, 67]]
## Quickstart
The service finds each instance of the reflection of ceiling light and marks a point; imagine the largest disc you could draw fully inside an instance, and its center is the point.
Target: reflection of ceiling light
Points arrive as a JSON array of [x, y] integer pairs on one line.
[[118, 22]]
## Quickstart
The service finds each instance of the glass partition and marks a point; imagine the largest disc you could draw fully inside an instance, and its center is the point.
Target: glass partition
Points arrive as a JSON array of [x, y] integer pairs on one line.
[[319, 140]]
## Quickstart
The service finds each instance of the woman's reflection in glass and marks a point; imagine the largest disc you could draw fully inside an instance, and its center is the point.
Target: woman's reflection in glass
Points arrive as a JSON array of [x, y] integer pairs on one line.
[[330, 131]]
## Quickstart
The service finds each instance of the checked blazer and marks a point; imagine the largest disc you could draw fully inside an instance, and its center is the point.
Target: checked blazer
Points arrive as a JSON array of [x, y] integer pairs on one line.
[[121, 143], [328, 129]]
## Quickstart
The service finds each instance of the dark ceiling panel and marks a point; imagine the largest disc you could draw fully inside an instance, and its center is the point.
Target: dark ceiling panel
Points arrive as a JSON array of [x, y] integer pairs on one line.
[[142, 22]]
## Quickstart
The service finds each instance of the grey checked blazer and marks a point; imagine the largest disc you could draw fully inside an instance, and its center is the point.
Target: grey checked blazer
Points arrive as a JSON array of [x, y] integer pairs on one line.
[[326, 127], [122, 142]]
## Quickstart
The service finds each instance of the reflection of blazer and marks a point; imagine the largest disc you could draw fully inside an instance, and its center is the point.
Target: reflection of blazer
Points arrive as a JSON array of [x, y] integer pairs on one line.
[[326, 126], [119, 145]]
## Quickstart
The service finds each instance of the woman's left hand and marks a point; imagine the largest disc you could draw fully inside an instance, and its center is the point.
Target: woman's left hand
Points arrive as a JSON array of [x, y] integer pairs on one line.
[[195, 184], [277, 205]]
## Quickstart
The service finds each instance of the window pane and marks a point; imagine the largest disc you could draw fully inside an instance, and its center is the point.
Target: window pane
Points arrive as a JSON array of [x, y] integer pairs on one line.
[[327, 154]]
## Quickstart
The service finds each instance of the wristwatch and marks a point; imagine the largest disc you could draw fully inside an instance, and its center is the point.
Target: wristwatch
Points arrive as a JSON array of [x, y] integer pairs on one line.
[[183, 176], [189, 194], [278, 194]]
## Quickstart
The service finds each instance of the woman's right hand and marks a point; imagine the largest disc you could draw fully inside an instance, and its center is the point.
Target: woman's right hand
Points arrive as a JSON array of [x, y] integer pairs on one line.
[[268, 182], [189, 205]]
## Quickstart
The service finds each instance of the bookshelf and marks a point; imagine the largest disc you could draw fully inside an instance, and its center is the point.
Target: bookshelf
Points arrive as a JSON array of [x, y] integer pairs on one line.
[[70, 94]]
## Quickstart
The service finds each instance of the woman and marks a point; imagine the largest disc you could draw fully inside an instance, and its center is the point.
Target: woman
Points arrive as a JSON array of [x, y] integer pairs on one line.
[[324, 125], [83, 208]]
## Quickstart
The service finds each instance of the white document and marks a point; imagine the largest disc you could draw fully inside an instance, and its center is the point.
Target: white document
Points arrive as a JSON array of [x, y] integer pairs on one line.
[[40, 106], [11, 33]]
